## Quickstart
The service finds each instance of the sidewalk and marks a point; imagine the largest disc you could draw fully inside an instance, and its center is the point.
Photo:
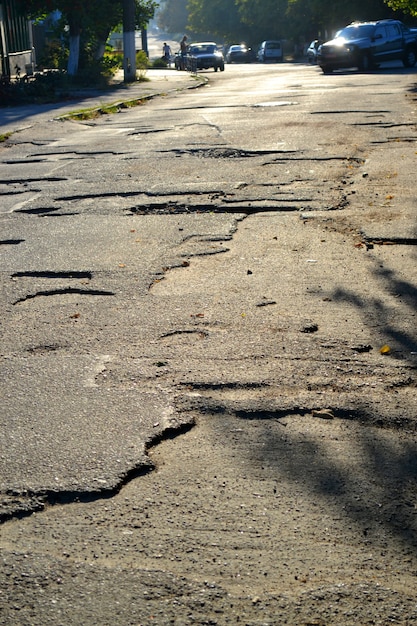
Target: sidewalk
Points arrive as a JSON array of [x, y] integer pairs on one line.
[[160, 82]]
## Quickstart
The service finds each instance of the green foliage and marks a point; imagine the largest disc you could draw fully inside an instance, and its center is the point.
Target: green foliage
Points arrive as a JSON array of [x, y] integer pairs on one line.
[[298, 20], [54, 56], [172, 16], [142, 64], [48, 87], [92, 20], [217, 17], [4, 137], [112, 61], [409, 7], [142, 61], [145, 10], [159, 63]]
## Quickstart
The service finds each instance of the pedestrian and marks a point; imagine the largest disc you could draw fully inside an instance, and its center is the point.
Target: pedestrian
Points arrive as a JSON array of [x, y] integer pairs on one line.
[[166, 53], [183, 47]]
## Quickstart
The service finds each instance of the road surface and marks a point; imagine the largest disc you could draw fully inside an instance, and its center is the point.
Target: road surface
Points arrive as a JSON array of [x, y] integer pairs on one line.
[[234, 265]]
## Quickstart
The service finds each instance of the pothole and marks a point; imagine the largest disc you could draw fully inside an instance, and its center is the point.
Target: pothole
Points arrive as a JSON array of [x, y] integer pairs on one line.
[[229, 153]]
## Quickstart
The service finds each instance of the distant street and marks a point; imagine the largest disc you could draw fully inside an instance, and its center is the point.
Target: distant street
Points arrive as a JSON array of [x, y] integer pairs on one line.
[[232, 266]]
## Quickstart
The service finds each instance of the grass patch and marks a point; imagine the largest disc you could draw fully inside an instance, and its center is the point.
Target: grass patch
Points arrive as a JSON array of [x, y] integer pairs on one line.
[[4, 137], [108, 109]]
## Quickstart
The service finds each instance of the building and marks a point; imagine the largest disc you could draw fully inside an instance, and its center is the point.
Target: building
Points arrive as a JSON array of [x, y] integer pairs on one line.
[[16, 44]]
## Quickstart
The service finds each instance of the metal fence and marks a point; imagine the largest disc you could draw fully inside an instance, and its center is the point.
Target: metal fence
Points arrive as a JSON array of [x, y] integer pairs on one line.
[[16, 47]]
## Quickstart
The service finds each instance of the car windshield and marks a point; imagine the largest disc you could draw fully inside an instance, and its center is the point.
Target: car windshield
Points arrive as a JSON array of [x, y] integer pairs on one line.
[[209, 49], [270, 45], [356, 32]]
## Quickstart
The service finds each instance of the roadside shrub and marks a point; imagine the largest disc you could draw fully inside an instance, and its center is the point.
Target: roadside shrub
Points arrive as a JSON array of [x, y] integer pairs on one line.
[[49, 86], [54, 56], [142, 64], [159, 63]]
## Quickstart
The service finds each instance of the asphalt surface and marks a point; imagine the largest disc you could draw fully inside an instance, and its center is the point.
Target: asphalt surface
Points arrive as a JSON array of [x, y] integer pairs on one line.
[[248, 291], [44, 464]]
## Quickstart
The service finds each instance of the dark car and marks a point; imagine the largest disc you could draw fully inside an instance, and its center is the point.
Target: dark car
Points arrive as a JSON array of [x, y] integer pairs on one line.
[[204, 55], [367, 44], [239, 53], [312, 49]]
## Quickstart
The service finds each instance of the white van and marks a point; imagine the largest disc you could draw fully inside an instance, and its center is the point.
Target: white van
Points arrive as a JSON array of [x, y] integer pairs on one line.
[[270, 51]]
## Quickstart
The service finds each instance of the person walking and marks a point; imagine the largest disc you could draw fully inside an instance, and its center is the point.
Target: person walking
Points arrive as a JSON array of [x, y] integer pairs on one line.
[[166, 53]]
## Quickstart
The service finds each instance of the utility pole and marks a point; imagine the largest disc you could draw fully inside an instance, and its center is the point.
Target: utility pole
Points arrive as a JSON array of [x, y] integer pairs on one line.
[[129, 48], [144, 37]]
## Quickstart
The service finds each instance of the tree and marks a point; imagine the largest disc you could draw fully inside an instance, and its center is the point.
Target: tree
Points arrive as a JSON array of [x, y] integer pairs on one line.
[[95, 18], [74, 13], [267, 19], [216, 17], [172, 16], [408, 7]]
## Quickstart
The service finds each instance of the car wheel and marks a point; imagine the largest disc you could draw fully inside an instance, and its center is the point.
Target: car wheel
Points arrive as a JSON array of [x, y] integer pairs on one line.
[[326, 69], [222, 68], [365, 63], [410, 58], [215, 68]]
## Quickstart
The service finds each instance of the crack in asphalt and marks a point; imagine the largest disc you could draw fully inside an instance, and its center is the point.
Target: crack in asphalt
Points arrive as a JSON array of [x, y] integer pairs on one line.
[[53, 274], [63, 292], [24, 181], [38, 210], [399, 241], [34, 500]]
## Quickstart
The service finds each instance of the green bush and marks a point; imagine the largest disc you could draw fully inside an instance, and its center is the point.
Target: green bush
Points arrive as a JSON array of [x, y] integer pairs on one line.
[[142, 64], [54, 56], [49, 86], [159, 63], [142, 61]]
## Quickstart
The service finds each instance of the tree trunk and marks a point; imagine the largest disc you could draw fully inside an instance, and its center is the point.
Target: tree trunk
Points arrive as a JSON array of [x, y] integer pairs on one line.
[[102, 36], [74, 44]]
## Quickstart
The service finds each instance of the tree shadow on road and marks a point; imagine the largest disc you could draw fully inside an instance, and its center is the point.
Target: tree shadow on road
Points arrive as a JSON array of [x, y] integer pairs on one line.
[[380, 314], [363, 465]]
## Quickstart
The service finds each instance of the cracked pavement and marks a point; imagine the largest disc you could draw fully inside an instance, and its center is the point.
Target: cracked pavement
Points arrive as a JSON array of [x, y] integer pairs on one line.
[[235, 262]]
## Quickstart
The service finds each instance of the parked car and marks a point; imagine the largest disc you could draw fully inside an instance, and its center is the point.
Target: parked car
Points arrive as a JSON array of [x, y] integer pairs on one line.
[[204, 55], [238, 53], [367, 44], [270, 51], [312, 49]]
